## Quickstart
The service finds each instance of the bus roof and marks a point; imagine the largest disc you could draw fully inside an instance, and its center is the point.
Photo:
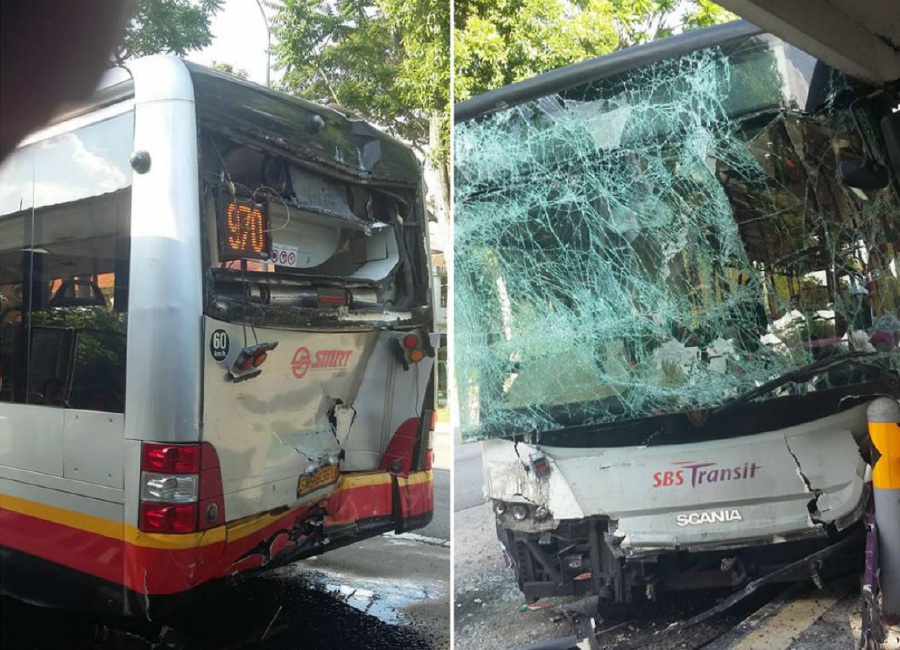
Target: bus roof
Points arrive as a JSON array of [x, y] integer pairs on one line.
[[601, 67], [348, 144], [303, 128]]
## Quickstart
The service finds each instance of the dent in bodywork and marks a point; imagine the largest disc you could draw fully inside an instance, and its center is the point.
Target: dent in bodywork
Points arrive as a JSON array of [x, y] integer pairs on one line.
[[510, 479], [804, 480], [306, 532], [842, 504], [317, 447]]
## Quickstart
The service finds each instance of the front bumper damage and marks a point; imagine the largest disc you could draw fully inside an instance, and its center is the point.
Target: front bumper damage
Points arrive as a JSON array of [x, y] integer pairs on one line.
[[632, 522]]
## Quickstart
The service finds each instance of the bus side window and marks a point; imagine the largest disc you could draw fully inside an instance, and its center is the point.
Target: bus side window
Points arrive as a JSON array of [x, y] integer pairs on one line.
[[74, 256], [16, 200]]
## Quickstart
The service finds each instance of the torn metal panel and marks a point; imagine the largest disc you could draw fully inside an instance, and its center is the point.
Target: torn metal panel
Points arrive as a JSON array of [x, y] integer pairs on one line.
[[386, 397], [508, 478], [717, 494], [834, 473], [270, 431], [667, 239]]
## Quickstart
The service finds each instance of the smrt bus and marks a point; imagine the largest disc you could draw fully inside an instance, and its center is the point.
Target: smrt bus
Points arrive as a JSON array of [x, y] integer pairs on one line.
[[215, 340], [677, 294]]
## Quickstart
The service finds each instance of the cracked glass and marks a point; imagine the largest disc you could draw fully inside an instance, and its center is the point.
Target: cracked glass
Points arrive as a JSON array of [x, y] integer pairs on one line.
[[671, 239]]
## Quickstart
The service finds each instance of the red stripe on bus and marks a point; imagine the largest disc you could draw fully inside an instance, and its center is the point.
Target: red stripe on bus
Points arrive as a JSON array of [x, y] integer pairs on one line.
[[158, 571], [98, 555]]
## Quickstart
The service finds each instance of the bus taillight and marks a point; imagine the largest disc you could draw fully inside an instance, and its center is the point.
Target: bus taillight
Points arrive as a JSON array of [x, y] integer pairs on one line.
[[181, 488], [162, 518], [171, 459]]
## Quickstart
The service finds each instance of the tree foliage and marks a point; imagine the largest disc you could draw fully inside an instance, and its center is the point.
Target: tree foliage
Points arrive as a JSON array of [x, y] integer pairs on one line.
[[498, 43], [642, 21], [345, 55], [387, 61], [168, 27], [424, 30], [227, 68]]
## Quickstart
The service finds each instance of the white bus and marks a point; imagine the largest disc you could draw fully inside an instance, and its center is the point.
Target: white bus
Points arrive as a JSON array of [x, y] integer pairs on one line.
[[215, 341], [677, 293]]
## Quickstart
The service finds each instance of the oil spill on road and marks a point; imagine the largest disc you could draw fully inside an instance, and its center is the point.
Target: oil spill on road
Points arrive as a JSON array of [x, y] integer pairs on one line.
[[384, 600], [264, 613]]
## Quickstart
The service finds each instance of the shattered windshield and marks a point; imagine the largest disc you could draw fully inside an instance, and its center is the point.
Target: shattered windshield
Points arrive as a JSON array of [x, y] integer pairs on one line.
[[668, 240]]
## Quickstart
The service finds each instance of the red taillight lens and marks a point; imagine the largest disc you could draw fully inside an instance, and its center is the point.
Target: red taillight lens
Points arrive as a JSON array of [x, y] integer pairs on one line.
[[170, 459], [174, 474], [410, 341], [164, 518], [259, 359]]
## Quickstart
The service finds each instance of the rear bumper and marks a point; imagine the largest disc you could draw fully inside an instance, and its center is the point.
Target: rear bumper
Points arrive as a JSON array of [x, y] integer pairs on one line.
[[89, 566]]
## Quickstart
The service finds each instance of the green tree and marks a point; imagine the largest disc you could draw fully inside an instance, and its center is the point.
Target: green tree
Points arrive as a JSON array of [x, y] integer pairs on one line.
[[229, 69], [424, 30], [168, 26], [386, 61], [498, 43], [642, 21]]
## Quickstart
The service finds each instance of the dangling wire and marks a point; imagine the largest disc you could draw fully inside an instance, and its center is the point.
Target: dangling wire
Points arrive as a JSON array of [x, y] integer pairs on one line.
[[269, 192]]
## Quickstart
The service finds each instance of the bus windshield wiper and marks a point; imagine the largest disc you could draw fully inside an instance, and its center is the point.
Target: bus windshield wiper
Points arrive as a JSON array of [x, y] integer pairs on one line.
[[803, 373]]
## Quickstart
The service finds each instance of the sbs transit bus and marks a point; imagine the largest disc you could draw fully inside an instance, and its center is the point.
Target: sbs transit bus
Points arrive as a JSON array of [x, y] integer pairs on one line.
[[216, 340], [677, 292]]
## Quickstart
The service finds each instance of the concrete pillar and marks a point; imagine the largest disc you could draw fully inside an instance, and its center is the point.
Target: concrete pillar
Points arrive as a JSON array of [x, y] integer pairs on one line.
[[884, 430]]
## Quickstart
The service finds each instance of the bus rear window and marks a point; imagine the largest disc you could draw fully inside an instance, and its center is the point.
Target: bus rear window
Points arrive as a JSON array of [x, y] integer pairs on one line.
[[282, 235]]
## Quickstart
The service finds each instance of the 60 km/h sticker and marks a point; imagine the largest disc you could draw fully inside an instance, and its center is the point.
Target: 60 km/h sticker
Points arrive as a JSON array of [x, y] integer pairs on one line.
[[218, 345]]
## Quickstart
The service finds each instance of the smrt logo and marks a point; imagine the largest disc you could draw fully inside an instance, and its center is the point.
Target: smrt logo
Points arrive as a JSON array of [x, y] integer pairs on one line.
[[696, 474], [302, 362]]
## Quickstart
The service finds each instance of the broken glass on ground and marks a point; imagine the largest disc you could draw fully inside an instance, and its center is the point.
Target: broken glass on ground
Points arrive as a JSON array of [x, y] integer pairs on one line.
[[668, 240]]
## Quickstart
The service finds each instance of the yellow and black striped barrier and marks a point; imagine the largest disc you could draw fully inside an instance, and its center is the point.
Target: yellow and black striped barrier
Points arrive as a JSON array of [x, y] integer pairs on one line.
[[884, 430]]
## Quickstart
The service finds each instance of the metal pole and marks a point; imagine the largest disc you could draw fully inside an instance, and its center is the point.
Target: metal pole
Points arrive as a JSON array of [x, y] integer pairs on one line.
[[884, 430], [268, 39]]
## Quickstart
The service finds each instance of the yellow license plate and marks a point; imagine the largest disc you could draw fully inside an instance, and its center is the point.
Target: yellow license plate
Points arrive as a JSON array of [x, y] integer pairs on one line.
[[322, 476]]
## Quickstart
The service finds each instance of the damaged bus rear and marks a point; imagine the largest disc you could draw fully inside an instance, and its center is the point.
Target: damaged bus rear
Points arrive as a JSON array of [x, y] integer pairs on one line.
[[677, 294], [217, 340]]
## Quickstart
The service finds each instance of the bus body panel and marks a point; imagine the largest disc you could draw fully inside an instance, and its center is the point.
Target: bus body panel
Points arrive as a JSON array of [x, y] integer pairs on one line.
[[322, 398], [696, 496], [382, 404], [165, 293], [63, 526], [85, 433], [31, 438]]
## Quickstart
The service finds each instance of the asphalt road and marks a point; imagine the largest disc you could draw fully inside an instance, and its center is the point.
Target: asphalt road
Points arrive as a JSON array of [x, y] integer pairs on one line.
[[468, 476], [439, 528], [380, 594]]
